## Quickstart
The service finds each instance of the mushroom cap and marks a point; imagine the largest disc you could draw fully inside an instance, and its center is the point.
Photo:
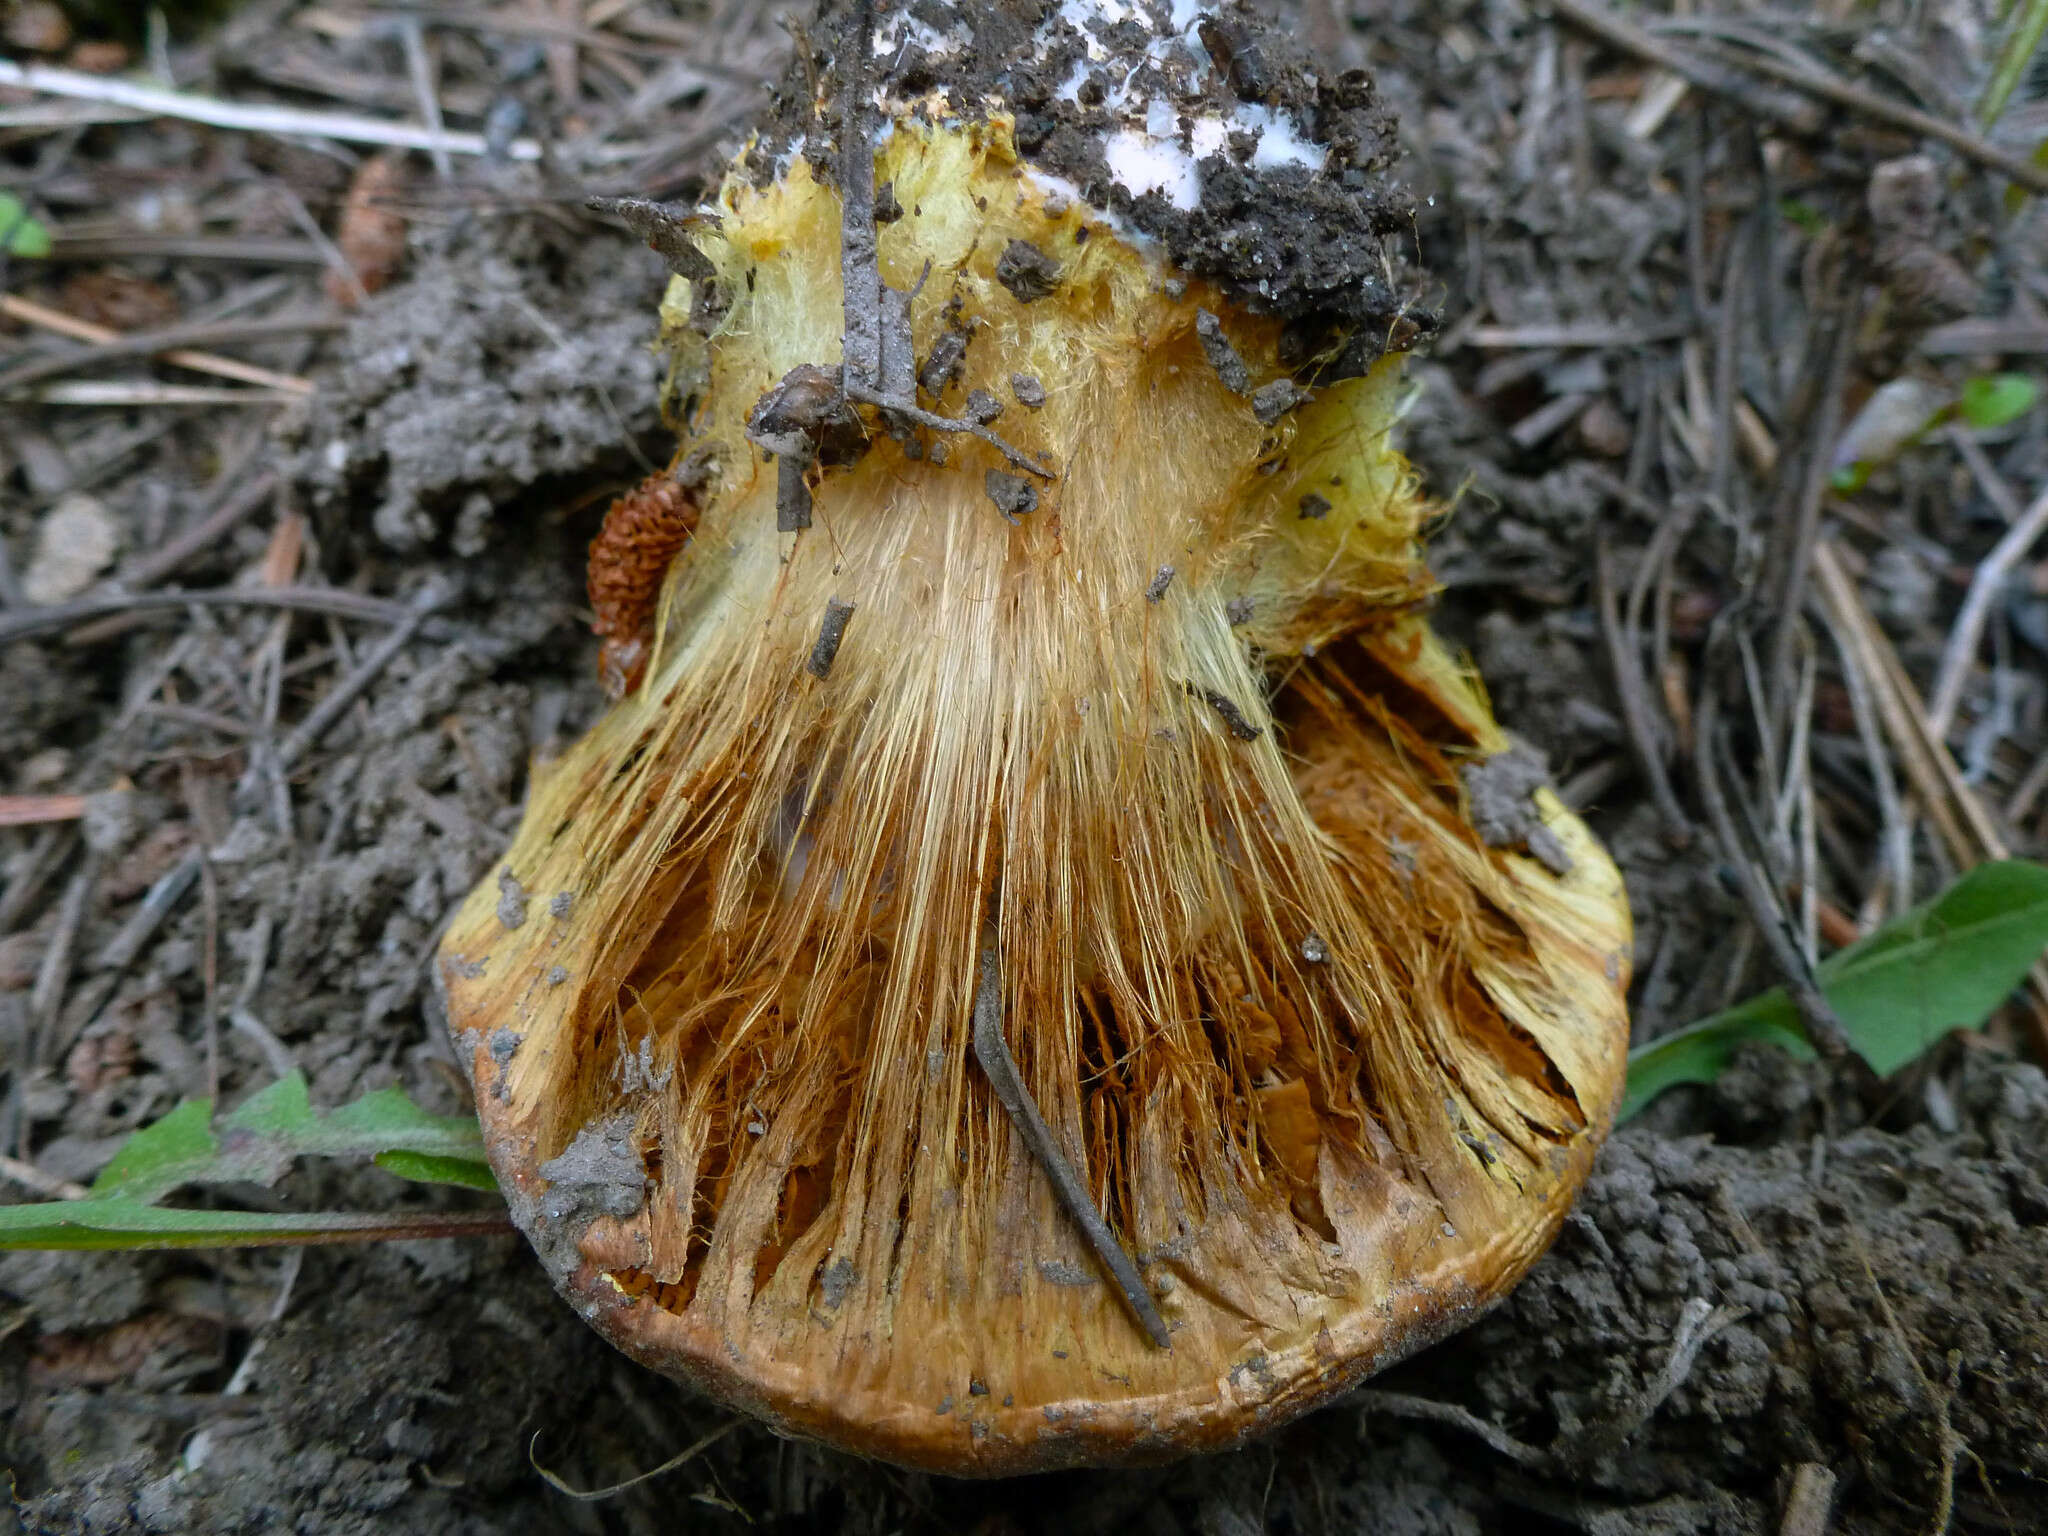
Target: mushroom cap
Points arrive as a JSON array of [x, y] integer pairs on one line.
[[1328, 1014]]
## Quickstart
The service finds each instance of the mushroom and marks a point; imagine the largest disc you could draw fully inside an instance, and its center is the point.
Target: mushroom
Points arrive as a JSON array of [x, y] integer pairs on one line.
[[974, 1001]]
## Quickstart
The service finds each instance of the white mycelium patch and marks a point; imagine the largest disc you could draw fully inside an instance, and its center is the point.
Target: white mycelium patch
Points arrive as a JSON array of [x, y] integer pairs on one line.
[[895, 32], [1155, 148], [1281, 141], [1141, 164], [1086, 15]]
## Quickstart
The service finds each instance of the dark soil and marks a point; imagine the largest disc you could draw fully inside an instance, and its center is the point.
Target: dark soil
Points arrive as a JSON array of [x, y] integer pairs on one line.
[[1309, 247], [1861, 1268]]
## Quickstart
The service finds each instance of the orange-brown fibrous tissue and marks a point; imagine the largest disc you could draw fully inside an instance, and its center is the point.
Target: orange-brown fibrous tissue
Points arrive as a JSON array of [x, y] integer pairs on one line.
[[1329, 1065]]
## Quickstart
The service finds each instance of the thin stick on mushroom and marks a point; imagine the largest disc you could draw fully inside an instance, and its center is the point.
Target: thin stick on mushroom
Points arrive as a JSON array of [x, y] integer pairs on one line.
[[860, 270], [937, 423], [993, 1052]]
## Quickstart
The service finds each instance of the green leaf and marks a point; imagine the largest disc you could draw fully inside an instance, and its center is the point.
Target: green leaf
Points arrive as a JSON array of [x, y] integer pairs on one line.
[[259, 1141], [2028, 27], [178, 1149], [425, 1168], [21, 235], [394, 1123], [1993, 399], [284, 1109], [1942, 966], [122, 1223], [280, 1124]]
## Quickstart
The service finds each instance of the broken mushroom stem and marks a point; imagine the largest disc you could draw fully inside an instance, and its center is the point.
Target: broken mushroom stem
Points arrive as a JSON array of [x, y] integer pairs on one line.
[[877, 345]]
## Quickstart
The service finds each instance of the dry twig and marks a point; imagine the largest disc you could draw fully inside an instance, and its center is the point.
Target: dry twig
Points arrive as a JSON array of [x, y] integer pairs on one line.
[[137, 393], [35, 810], [173, 338], [1646, 740], [54, 974], [1898, 831], [1817, 1016], [1966, 828], [202, 535], [1803, 477], [31, 313], [308, 731], [26, 624], [1780, 107], [1985, 586], [993, 1052], [252, 117]]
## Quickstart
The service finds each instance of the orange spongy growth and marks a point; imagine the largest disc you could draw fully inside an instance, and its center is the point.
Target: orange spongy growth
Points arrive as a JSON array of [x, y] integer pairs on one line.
[[1314, 1048]]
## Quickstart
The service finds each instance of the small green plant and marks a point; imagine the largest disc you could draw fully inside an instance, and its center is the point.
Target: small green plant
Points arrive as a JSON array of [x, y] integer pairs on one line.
[[255, 1145], [21, 235], [1900, 415], [1939, 967], [1996, 399], [1803, 214]]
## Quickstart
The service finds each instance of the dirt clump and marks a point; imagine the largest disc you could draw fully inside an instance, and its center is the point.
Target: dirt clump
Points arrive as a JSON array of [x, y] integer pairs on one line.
[[517, 359]]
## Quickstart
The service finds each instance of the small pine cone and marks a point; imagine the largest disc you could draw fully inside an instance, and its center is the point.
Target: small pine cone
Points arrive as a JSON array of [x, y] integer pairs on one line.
[[642, 532]]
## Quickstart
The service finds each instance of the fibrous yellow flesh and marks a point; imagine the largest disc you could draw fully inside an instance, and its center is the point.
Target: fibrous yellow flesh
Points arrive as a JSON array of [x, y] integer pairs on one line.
[[1331, 1067]]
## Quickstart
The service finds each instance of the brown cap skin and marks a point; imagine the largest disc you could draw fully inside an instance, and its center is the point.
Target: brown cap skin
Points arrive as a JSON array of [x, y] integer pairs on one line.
[[1156, 771]]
